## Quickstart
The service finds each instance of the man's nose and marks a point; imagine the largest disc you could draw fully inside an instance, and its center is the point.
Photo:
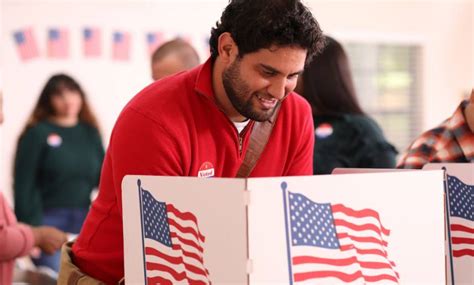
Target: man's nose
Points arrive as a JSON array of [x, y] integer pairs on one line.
[[278, 89]]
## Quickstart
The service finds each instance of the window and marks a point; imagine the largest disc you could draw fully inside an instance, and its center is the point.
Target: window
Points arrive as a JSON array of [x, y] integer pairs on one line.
[[387, 80]]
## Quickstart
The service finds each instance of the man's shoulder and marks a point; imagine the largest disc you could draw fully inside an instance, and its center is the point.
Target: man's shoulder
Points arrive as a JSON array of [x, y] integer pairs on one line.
[[425, 147], [164, 97], [295, 105], [433, 137], [169, 90]]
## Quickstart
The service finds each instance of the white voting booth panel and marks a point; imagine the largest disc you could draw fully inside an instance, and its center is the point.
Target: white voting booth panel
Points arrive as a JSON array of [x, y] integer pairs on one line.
[[381, 228], [460, 186], [409, 205], [217, 204]]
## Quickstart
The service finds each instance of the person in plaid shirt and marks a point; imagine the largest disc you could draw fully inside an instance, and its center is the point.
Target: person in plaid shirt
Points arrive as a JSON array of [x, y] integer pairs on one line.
[[452, 141]]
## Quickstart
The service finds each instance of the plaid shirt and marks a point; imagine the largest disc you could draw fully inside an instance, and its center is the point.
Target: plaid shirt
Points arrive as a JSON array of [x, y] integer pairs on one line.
[[452, 141]]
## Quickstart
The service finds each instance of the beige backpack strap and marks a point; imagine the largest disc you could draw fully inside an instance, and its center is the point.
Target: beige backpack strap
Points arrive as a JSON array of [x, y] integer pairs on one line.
[[69, 273], [258, 140]]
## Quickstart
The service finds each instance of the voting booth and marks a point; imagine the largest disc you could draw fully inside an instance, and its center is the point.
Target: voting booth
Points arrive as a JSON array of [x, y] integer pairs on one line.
[[459, 185], [367, 228]]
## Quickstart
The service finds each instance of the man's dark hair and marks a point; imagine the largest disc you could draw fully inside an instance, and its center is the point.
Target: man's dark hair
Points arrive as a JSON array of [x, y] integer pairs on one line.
[[257, 24]]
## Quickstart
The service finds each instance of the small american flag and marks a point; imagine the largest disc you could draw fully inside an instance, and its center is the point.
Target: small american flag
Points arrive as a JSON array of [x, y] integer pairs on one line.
[[154, 40], [461, 212], [92, 42], [58, 43], [121, 46], [333, 244], [26, 44], [173, 244]]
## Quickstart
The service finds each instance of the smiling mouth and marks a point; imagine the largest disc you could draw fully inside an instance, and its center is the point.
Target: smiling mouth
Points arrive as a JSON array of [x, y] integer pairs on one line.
[[267, 103]]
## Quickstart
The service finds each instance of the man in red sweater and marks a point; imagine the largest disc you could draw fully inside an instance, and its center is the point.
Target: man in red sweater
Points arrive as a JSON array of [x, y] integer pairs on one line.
[[197, 123]]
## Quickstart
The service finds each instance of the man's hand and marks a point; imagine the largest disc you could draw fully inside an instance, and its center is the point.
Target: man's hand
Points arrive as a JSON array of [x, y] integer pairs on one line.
[[49, 239]]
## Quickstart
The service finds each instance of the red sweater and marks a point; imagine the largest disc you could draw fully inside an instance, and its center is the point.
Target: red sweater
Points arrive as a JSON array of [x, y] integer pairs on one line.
[[173, 127]]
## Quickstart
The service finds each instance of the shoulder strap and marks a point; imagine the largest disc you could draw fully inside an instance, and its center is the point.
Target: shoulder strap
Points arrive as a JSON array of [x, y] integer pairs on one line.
[[258, 140]]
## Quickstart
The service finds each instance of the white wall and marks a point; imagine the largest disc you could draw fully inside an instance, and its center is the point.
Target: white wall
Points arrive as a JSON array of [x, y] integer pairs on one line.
[[108, 84], [444, 29]]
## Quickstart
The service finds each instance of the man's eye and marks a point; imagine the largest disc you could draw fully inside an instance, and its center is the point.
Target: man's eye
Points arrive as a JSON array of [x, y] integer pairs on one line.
[[269, 73]]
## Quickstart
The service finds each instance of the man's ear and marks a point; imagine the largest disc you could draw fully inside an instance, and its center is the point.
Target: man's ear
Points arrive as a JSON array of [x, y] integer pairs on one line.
[[472, 96], [227, 48]]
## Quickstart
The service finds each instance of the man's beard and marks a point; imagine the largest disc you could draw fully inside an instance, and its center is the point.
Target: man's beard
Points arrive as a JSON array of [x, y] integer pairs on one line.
[[239, 94]]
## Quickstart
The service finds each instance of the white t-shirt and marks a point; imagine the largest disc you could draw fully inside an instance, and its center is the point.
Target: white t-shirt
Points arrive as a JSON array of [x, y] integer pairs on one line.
[[241, 125]]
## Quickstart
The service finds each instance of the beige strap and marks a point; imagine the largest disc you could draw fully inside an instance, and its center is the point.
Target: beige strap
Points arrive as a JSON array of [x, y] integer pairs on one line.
[[258, 140], [69, 273], [74, 277]]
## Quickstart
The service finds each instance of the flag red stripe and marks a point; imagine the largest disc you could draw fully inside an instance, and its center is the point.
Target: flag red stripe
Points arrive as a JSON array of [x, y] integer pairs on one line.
[[170, 259], [182, 215], [462, 228], [461, 240], [178, 276], [162, 281], [367, 251], [176, 260], [342, 276], [363, 239], [187, 253], [188, 242], [186, 230], [158, 281], [359, 214], [354, 227], [463, 252], [298, 260]]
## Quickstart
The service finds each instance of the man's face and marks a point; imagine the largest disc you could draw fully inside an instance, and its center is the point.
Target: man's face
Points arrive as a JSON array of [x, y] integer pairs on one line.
[[256, 83]]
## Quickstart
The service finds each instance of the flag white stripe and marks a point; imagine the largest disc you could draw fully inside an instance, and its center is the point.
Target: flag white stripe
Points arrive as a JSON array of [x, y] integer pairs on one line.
[[172, 253]]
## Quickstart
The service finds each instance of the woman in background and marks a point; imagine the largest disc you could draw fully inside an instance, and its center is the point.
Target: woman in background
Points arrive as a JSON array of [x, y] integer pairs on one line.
[[58, 161], [345, 136]]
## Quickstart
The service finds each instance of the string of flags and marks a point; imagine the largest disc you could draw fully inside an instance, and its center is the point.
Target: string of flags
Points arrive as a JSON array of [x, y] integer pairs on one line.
[[58, 43]]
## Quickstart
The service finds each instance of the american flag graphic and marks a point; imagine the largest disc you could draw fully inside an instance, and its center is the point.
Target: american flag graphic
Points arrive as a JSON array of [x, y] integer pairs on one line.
[[461, 217], [154, 40], [173, 244], [331, 244], [26, 44], [92, 42], [121, 46], [58, 43]]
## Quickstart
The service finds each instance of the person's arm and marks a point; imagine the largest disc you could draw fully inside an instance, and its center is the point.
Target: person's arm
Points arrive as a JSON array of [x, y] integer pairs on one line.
[[27, 197], [380, 155], [374, 150], [49, 239], [100, 153], [420, 152], [141, 145], [15, 239], [415, 158], [302, 163]]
